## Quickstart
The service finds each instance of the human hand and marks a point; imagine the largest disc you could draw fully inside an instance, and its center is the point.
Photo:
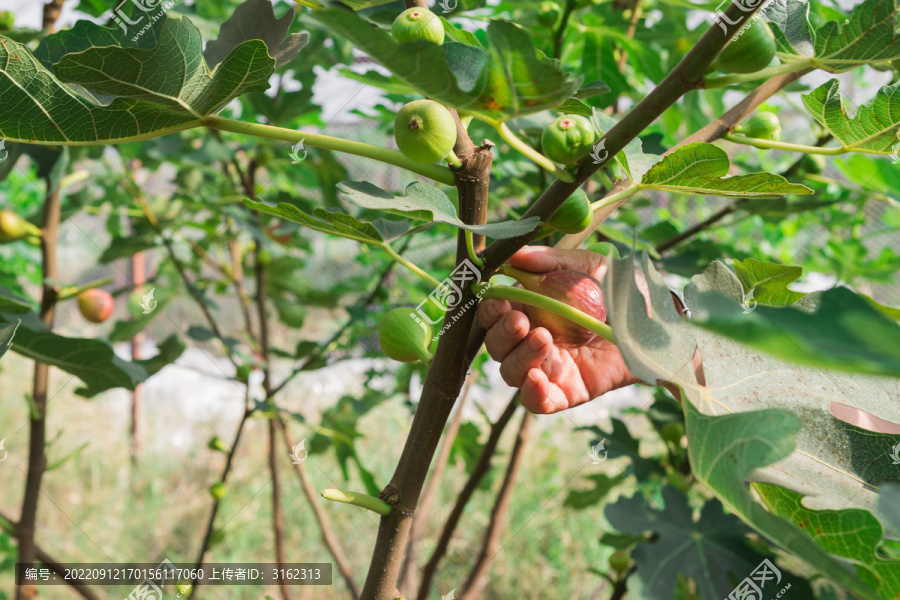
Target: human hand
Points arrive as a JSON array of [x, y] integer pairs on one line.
[[551, 378]]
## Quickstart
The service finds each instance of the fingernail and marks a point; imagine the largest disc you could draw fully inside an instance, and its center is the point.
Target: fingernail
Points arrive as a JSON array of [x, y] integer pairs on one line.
[[536, 342], [531, 381], [510, 326]]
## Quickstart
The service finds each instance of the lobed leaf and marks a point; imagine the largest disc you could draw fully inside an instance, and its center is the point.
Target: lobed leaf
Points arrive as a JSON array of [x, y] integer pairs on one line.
[[255, 20], [874, 128]]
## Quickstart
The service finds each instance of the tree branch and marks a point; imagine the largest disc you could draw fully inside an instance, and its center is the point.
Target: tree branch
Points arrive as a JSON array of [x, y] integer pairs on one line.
[[431, 486], [37, 459], [490, 546], [482, 466]]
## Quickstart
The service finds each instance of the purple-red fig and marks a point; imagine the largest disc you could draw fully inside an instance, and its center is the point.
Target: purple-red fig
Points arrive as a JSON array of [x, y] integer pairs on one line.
[[578, 290], [95, 305]]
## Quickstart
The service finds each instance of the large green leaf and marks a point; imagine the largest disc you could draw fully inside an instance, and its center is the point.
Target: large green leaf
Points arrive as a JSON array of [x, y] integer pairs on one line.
[[837, 464], [7, 332], [255, 20], [91, 360], [712, 550], [333, 223], [427, 203], [700, 168], [867, 36], [766, 282], [875, 126], [510, 79], [853, 534], [160, 90]]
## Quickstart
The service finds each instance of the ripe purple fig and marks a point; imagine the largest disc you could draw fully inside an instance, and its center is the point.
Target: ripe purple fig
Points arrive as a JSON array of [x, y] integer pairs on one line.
[[578, 290]]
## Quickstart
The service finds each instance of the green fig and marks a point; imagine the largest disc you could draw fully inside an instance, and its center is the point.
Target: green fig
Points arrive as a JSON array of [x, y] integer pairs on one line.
[[763, 125], [620, 561], [425, 131], [673, 432], [548, 14], [405, 336], [568, 138], [217, 490], [215, 443], [814, 164], [14, 228], [418, 24], [574, 215], [750, 52]]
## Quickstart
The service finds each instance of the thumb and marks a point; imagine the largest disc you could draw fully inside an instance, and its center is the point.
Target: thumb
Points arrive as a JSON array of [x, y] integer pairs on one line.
[[541, 259]]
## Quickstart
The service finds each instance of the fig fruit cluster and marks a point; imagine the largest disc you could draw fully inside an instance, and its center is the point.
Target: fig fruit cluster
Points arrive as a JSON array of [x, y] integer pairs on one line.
[[578, 290]]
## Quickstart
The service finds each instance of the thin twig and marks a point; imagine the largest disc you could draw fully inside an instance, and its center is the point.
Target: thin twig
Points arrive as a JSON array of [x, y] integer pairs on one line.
[[491, 544], [37, 459], [482, 466], [440, 463], [328, 537]]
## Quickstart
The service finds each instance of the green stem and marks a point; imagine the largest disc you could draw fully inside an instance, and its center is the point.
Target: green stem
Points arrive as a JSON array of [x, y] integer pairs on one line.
[[362, 500], [453, 160], [470, 246], [513, 294], [760, 143], [768, 72], [410, 265], [391, 157], [613, 198], [539, 159]]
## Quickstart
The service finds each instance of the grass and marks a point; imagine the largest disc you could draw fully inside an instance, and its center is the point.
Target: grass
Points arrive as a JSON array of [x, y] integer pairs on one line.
[[97, 508]]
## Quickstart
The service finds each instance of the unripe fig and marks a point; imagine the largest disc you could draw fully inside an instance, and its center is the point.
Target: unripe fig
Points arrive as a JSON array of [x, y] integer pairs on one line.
[[813, 163], [217, 490], [763, 125], [418, 24], [753, 51], [578, 290], [405, 336], [548, 14], [620, 561], [425, 131], [7, 20], [574, 215], [13, 227], [568, 138], [216, 443], [95, 305], [673, 432]]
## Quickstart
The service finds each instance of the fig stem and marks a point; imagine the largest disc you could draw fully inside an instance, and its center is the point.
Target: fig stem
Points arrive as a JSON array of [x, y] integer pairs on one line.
[[72, 291], [391, 157], [613, 198], [453, 160], [542, 161], [797, 65], [362, 500], [514, 294], [411, 266], [470, 246], [759, 143]]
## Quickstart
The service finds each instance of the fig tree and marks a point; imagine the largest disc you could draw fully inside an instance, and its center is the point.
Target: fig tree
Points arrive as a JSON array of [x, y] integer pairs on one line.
[[425, 131], [753, 51], [574, 215], [568, 138], [548, 14], [404, 336], [95, 305], [763, 125], [578, 290], [418, 24]]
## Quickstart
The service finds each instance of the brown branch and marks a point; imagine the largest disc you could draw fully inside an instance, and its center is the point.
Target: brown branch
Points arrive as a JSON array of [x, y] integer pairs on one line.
[[79, 585], [328, 537], [632, 27], [440, 464], [482, 466], [51, 14], [415, 3], [138, 278], [440, 391], [621, 587], [491, 544], [686, 76], [37, 459], [560, 33]]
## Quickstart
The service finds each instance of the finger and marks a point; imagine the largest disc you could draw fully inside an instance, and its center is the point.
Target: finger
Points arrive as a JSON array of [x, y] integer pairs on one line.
[[506, 334], [525, 356], [540, 259], [492, 310], [540, 396]]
